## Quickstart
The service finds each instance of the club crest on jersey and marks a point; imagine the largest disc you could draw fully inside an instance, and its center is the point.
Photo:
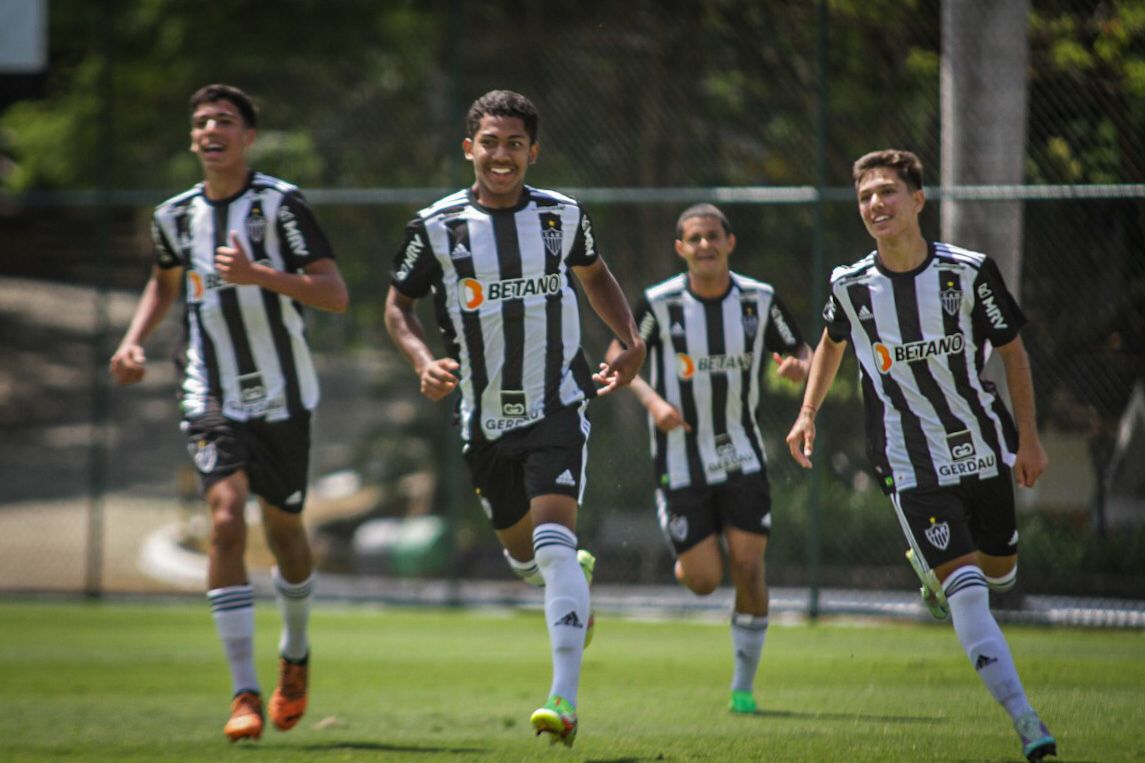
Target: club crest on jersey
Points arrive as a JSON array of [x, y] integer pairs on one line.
[[951, 301], [938, 534], [887, 355], [750, 321], [256, 225], [551, 234]]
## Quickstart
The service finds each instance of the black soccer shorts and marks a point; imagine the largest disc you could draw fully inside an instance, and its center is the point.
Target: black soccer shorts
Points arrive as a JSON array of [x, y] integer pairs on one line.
[[545, 458], [688, 515], [275, 455], [945, 523]]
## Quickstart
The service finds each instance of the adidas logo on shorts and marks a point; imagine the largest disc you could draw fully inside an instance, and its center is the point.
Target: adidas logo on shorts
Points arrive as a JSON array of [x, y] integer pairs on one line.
[[566, 479]]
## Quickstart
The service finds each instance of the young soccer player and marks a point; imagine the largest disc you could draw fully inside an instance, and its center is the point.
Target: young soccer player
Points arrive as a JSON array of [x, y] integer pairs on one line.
[[248, 252], [923, 318], [709, 332], [500, 257]]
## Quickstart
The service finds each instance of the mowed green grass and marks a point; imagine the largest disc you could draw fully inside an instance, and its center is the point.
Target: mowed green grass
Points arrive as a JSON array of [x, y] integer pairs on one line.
[[145, 681]]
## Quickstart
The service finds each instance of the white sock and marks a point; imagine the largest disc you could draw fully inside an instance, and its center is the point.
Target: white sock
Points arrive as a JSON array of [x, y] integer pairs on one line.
[[566, 604], [294, 604], [982, 639], [748, 633], [233, 611], [527, 571]]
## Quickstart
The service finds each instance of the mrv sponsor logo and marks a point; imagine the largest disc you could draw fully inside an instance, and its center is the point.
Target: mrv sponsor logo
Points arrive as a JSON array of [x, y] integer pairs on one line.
[[473, 293], [887, 355]]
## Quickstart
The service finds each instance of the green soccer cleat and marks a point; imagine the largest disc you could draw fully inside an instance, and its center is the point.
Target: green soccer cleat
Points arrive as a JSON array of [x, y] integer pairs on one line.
[[931, 590], [1036, 740], [587, 564], [557, 717], [742, 703]]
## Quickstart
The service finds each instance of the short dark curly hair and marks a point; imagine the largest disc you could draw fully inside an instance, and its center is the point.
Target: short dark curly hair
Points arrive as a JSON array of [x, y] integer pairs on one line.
[[503, 103], [218, 92]]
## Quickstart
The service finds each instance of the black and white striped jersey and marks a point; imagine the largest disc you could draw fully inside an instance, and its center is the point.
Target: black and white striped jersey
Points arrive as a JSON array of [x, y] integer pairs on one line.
[[922, 339], [245, 347], [706, 357], [505, 302]]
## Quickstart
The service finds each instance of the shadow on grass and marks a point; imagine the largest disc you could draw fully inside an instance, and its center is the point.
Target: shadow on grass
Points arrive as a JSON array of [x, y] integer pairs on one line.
[[842, 717], [382, 747]]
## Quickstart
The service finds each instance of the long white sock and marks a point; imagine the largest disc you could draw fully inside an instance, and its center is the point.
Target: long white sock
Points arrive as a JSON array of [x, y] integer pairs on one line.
[[566, 604], [233, 611], [527, 571], [294, 604], [748, 634], [982, 639]]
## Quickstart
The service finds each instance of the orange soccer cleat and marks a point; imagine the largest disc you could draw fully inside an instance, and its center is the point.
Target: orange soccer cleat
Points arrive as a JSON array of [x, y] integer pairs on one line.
[[288, 702], [246, 717]]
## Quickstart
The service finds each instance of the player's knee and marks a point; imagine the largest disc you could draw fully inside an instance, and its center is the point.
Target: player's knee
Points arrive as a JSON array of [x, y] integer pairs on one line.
[[700, 583], [228, 531], [1004, 582], [746, 571]]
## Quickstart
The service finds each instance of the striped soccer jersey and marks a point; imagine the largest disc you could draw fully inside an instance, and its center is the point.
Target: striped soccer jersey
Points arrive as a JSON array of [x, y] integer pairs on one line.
[[706, 357], [922, 339], [245, 347], [505, 302]]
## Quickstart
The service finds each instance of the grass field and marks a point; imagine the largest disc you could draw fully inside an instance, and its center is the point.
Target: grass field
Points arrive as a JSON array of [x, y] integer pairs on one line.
[[145, 681]]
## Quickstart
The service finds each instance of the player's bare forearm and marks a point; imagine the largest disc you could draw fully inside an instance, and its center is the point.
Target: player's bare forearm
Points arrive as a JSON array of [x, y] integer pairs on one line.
[[824, 366], [436, 376], [608, 301], [319, 285], [1031, 459], [127, 363]]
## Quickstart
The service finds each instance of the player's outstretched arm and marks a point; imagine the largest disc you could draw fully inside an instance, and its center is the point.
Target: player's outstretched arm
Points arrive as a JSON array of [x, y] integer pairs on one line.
[[824, 365], [319, 285], [436, 375], [1031, 459], [127, 364], [609, 303], [664, 415]]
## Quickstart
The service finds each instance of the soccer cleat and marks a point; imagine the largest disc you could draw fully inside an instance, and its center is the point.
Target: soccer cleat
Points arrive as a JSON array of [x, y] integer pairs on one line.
[[246, 717], [587, 564], [931, 590], [557, 717], [1036, 740], [742, 702], [288, 702]]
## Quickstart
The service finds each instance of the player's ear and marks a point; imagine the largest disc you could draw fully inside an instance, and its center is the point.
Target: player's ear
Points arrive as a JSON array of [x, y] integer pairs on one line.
[[249, 135], [467, 148], [679, 247], [919, 200], [534, 150], [731, 242]]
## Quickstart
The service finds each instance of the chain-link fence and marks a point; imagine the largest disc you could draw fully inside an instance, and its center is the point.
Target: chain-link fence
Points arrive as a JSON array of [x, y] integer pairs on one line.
[[646, 107]]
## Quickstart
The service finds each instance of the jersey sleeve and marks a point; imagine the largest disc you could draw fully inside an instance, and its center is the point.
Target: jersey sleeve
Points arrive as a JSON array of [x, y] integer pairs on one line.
[[166, 256], [782, 333], [583, 250], [303, 242], [414, 268], [646, 323], [995, 314], [838, 324]]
